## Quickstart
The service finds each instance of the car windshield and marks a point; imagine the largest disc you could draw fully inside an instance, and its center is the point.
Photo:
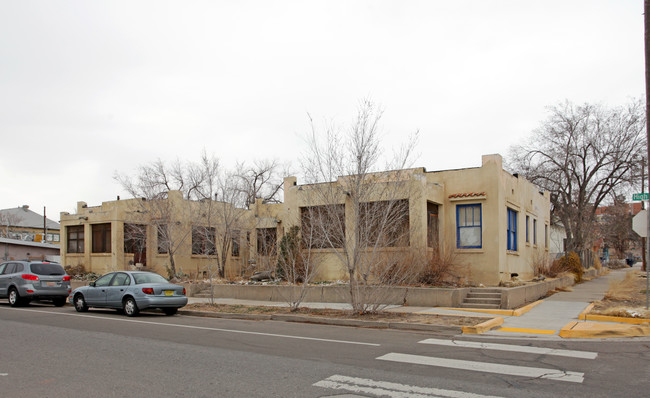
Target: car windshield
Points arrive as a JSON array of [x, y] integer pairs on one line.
[[47, 269], [148, 278]]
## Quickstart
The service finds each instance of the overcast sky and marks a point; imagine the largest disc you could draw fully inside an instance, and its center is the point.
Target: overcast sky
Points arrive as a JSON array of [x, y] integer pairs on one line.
[[88, 88]]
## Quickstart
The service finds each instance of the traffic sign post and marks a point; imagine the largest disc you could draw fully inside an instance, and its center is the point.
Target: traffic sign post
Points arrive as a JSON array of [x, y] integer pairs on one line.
[[640, 223], [641, 196]]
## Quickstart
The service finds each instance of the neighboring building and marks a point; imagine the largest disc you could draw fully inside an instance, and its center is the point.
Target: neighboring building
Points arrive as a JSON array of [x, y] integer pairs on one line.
[[558, 240], [604, 215], [14, 249], [496, 224], [23, 224]]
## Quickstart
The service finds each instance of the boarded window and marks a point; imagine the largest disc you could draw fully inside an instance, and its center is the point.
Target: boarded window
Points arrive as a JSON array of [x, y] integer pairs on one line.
[[384, 223], [234, 249], [162, 237], [203, 240], [75, 239], [101, 238], [323, 226], [432, 225], [135, 238], [266, 241]]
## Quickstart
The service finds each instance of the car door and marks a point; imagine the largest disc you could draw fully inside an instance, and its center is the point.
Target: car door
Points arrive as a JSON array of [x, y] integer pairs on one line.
[[3, 280], [115, 290], [5, 277], [96, 295]]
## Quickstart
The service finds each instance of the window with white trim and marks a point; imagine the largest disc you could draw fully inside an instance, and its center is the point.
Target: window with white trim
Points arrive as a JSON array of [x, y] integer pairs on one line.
[[468, 226]]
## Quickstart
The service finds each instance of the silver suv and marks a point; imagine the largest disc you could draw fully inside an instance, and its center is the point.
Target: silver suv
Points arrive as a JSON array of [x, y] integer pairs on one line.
[[24, 281]]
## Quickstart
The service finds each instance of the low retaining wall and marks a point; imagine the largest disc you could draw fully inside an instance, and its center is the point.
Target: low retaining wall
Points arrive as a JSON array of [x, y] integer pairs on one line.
[[511, 298], [514, 297]]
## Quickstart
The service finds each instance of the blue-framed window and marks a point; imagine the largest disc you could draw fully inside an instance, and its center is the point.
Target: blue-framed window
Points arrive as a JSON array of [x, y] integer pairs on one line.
[[512, 230], [534, 231], [468, 226]]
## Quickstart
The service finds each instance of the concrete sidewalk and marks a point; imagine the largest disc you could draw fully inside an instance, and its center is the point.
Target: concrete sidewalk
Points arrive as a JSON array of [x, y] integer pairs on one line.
[[558, 315], [554, 317]]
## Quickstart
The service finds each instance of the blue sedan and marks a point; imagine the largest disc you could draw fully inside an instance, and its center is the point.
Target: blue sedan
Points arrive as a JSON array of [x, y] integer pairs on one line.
[[130, 291]]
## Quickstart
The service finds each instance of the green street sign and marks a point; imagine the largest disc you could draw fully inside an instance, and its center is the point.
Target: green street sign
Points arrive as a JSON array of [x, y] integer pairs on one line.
[[641, 196]]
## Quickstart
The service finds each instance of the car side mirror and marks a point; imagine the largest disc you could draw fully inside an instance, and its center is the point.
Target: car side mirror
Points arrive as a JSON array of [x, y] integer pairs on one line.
[[91, 284]]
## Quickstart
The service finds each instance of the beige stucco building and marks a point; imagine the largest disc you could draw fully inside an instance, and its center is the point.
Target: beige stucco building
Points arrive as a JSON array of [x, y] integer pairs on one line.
[[495, 223]]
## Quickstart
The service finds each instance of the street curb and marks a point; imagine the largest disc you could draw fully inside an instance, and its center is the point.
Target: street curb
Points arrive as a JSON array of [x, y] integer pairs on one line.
[[518, 312], [335, 322], [585, 316], [593, 330], [227, 315], [483, 327]]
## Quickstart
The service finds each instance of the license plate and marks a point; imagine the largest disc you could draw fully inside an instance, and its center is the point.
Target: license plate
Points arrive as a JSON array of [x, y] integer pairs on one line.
[[169, 292], [51, 284]]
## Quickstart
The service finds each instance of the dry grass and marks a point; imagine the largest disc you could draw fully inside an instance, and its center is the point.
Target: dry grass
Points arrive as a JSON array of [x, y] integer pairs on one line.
[[384, 316], [625, 289], [626, 297]]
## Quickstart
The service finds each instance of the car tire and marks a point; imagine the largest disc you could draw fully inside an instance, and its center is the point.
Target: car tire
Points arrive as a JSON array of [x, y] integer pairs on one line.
[[170, 311], [14, 298], [130, 307], [80, 303], [59, 302]]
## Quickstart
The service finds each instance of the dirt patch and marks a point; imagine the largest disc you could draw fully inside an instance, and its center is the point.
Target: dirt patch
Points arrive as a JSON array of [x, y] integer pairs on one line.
[[625, 298], [384, 316]]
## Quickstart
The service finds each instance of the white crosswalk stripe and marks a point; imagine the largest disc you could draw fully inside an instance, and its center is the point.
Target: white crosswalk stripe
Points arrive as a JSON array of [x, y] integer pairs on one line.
[[514, 348], [488, 367], [388, 389]]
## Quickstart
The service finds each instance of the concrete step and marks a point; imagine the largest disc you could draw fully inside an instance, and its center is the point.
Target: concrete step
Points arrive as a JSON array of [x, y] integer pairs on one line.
[[471, 300], [481, 306], [485, 295], [484, 290]]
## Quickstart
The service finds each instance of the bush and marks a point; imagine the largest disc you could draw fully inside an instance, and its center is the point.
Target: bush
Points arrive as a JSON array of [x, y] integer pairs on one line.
[[76, 270], [442, 268], [290, 265], [572, 264], [597, 264]]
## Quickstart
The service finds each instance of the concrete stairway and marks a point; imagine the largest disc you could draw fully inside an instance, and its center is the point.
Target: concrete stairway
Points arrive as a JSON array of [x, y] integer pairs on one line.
[[482, 298]]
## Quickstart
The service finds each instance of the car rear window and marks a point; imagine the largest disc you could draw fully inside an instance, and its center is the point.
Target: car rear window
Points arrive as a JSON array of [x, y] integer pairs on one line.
[[47, 269], [148, 278]]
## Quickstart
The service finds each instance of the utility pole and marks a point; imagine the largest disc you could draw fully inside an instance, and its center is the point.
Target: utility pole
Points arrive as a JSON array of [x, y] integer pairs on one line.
[[643, 239], [646, 24]]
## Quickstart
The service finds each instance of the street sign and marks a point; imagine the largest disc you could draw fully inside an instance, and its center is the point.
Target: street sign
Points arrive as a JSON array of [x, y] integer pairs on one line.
[[641, 196], [640, 223]]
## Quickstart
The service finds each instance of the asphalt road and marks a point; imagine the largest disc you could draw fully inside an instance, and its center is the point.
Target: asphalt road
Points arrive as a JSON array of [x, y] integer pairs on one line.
[[57, 352]]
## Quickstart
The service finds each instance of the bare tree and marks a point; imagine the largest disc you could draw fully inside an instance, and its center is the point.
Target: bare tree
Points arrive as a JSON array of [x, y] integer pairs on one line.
[[342, 167], [223, 216], [153, 183], [298, 262], [261, 180], [7, 221], [580, 154]]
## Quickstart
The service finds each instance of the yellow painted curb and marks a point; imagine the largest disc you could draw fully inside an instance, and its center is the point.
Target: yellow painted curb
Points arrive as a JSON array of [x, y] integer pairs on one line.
[[522, 330], [587, 310], [594, 330], [481, 310], [526, 308], [517, 312], [586, 316], [483, 327], [619, 319]]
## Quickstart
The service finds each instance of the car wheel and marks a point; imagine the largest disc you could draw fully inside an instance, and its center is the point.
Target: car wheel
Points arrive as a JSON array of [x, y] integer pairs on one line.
[[59, 302], [170, 311], [14, 297], [80, 303], [130, 307]]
